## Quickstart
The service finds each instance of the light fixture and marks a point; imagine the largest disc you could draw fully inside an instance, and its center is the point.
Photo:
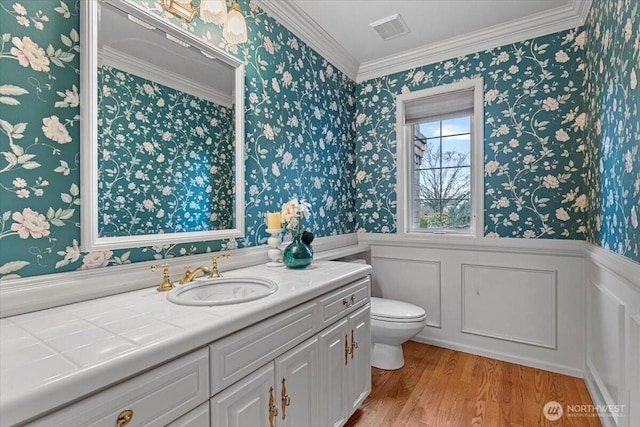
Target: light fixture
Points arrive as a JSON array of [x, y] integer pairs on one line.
[[235, 29], [212, 11]]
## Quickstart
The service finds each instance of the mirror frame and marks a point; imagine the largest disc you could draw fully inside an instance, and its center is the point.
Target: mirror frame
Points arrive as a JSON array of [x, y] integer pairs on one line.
[[89, 233]]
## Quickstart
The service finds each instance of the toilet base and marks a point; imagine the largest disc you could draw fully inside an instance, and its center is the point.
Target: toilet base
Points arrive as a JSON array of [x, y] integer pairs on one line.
[[387, 357]]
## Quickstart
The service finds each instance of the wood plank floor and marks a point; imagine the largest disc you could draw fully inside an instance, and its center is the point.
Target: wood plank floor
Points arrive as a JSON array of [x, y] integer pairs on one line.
[[441, 387]]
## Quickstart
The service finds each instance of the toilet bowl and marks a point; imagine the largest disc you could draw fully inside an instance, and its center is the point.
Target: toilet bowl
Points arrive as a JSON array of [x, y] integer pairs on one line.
[[393, 323]]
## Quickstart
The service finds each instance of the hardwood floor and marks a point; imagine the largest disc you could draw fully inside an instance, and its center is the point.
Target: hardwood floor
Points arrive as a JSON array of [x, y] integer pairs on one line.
[[442, 387]]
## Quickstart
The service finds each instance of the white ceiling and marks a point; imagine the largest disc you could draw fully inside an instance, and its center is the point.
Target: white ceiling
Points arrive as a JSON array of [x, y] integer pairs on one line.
[[440, 29]]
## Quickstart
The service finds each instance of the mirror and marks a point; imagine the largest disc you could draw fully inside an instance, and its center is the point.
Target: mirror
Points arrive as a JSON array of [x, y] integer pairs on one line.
[[162, 132]]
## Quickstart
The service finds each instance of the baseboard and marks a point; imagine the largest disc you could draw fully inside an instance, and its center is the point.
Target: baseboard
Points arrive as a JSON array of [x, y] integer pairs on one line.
[[559, 369], [597, 397]]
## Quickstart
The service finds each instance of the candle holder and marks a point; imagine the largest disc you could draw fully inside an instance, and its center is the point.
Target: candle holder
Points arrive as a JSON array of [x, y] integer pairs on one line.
[[274, 247]]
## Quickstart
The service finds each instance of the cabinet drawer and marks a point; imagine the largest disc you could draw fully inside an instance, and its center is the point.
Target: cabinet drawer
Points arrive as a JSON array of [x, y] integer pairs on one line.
[[339, 303], [156, 397], [239, 354]]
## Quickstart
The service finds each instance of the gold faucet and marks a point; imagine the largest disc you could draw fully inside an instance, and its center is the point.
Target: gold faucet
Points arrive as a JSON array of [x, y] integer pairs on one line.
[[166, 284], [190, 275], [214, 267]]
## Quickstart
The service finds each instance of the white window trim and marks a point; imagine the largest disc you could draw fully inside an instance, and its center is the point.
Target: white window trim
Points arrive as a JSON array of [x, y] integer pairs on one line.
[[404, 136]]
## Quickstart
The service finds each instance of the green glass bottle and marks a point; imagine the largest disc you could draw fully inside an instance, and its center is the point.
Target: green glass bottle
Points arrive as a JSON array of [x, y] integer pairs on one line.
[[297, 254]]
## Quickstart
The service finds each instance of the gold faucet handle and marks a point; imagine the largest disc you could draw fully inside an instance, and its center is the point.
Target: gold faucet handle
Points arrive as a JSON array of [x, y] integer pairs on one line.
[[166, 284], [185, 277], [214, 266]]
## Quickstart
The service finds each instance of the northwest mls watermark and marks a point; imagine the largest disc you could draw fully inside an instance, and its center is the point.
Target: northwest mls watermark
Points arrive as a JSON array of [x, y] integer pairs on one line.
[[553, 411]]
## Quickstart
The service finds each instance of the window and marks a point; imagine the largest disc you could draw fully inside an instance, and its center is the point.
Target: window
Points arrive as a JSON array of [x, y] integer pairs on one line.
[[440, 157]]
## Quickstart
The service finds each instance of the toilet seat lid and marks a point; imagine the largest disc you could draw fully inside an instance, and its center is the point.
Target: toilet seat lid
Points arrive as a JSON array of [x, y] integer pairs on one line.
[[393, 310]]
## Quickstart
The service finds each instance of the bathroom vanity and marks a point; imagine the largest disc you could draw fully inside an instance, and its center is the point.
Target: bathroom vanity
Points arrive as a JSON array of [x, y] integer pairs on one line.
[[298, 357]]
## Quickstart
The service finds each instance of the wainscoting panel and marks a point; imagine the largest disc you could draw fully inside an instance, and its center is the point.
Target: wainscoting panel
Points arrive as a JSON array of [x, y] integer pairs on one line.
[[528, 298], [606, 341], [634, 378], [411, 280], [510, 299], [613, 335]]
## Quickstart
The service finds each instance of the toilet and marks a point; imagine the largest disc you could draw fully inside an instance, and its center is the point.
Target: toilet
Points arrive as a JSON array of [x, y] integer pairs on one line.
[[393, 323]]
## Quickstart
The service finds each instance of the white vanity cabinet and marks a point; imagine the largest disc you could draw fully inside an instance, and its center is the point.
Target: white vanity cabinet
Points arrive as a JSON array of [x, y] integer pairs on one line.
[[282, 393], [317, 383], [306, 366], [345, 363]]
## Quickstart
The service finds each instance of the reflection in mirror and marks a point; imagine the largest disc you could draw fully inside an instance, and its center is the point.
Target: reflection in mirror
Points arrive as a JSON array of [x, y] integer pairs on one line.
[[166, 162]]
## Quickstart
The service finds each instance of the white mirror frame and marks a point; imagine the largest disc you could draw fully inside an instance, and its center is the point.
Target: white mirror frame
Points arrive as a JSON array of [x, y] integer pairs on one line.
[[90, 238]]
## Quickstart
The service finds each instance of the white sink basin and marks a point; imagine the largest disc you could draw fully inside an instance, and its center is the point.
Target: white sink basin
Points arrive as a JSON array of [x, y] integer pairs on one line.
[[222, 291]]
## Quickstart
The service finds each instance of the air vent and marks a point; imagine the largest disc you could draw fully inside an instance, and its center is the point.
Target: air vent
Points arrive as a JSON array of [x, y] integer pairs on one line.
[[390, 27]]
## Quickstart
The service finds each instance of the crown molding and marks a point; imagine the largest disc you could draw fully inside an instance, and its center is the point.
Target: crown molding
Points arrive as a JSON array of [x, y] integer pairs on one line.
[[302, 25], [552, 21], [299, 23], [122, 61]]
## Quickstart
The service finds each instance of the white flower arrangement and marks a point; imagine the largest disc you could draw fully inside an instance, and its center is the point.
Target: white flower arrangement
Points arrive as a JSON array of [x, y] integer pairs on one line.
[[292, 211]]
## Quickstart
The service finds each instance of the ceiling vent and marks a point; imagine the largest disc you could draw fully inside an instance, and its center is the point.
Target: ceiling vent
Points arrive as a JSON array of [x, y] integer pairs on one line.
[[390, 27]]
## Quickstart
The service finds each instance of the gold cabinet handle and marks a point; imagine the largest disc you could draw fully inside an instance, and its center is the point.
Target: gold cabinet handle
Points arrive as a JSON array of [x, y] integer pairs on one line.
[[353, 300], [346, 349], [354, 344], [273, 409], [286, 400], [124, 418], [347, 304]]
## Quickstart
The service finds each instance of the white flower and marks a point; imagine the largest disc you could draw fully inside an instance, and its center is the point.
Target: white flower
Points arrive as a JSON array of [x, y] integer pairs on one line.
[[513, 143], [561, 214], [581, 39], [529, 158], [513, 69], [581, 202], [562, 136], [96, 259], [19, 183], [628, 161], [529, 234], [148, 89], [490, 95], [72, 253], [634, 217], [19, 9], [267, 130], [627, 30], [287, 78], [633, 80], [491, 167], [29, 53], [550, 181], [287, 158], [361, 118], [23, 21], [503, 202], [30, 223], [54, 130], [360, 176], [550, 104], [38, 25], [268, 45], [561, 56], [514, 216], [418, 77], [23, 193], [580, 121]]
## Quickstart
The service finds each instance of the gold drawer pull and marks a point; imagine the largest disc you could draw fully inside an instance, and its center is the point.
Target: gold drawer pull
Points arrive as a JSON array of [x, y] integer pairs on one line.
[[347, 304], [286, 400], [354, 344], [124, 418], [273, 409], [346, 349]]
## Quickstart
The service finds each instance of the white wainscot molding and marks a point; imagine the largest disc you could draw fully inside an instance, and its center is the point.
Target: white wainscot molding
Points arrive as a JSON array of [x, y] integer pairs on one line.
[[613, 334], [528, 298], [517, 300], [28, 294]]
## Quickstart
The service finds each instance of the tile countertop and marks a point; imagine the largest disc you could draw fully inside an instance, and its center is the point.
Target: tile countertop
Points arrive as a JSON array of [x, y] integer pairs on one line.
[[51, 357]]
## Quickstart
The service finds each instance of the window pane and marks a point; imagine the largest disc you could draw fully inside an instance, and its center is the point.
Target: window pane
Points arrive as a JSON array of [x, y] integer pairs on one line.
[[456, 126], [456, 150], [430, 129]]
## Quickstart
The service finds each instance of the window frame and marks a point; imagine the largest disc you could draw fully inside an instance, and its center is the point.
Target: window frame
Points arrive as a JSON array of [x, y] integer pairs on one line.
[[405, 153]]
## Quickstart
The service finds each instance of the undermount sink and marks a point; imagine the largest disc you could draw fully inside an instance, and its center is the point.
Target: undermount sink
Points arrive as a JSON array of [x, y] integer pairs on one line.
[[222, 291]]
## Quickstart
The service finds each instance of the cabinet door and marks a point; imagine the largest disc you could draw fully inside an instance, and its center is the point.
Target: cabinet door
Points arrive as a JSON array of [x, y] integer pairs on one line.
[[333, 397], [245, 403], [297, 385], [360, 358], [198, 417]]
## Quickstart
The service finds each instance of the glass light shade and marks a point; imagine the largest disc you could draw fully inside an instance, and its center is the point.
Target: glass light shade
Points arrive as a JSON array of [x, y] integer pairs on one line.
[[235, 29], [214, 11]]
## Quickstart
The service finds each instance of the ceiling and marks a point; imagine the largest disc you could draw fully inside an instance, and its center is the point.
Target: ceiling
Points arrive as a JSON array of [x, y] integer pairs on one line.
[[439, 29]]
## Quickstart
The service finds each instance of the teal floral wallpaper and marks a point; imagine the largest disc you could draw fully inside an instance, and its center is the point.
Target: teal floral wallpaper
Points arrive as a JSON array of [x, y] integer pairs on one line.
[[534, 137], [613, 130], [298, 135], [165, 158]]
